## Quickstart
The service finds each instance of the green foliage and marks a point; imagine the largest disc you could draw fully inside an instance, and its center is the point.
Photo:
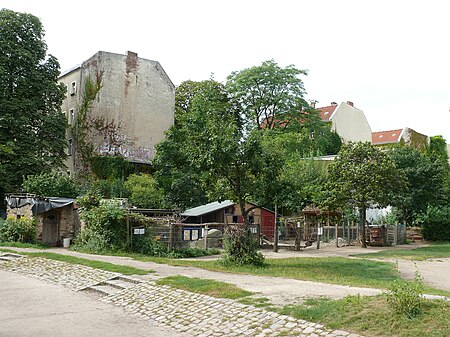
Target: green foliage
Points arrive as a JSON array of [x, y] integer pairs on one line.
[[110, 167], [435, 223], [89, 200], [268, 94], [240, 247], [143, 191], [51, 185], [425, 182], [110, 188], [371, 316], [104, 228], [362, 175], [18, 230], [81, 131], [32, 127], [405, 297]]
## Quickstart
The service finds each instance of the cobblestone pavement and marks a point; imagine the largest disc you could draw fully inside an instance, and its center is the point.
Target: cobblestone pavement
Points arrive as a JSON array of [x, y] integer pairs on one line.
[[183, 311]]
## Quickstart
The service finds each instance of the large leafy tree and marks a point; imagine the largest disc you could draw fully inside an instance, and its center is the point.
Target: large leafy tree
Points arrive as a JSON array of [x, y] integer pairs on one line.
[[363, 175], [32, 126], [425, 182], [183, 183], [269, 95]]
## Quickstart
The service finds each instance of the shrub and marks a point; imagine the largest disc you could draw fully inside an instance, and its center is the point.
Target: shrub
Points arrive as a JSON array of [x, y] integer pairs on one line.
[[240, 247], [51, 185], [18, 230], [405, 297], [435, 223], [144, 193], [104, 227]]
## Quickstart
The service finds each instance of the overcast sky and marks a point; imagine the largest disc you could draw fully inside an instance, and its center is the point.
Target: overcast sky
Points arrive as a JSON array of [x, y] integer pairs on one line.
[[391, 58]]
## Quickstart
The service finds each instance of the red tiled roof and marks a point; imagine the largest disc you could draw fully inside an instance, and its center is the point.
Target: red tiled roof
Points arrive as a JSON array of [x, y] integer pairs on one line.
[[386, 137], [326, 112]]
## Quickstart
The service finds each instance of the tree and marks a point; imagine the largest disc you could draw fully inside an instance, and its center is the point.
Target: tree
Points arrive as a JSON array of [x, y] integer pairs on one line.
[[364, 176], [269, 95], [183, 184], [143, 191], [425, 182], [51, 185], [31, 123], [439, 154]]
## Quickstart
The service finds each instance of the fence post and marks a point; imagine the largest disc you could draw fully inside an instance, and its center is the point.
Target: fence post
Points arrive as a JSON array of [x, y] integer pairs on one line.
[[206, 237], [275, 236], [337, 233], [348, 233], [171, 236], [395, 234]]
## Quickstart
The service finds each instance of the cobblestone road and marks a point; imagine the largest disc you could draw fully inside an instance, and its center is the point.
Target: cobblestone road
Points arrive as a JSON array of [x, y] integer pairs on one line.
[[183, 311]]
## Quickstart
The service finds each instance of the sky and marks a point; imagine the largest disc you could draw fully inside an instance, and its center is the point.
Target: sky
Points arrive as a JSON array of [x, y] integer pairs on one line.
[[391, 58]]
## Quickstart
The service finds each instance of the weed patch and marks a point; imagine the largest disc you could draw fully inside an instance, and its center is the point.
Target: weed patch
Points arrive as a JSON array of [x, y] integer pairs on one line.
[[205, 286]]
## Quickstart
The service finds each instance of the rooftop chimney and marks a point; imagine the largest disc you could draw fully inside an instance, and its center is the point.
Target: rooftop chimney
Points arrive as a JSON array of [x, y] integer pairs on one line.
[[350, 103]]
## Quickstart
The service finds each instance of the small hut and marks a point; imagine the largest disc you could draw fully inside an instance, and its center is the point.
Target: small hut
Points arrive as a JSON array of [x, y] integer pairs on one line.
[[56, 218]]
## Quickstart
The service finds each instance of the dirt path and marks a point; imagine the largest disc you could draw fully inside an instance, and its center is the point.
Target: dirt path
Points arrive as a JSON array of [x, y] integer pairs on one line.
[[279, 290]]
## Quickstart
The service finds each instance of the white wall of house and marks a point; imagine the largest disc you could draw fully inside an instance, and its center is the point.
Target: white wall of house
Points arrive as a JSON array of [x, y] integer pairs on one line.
[[351, 124]]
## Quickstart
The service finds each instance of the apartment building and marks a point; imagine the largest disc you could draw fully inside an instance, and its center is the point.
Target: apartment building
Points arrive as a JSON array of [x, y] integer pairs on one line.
[[130, 104]]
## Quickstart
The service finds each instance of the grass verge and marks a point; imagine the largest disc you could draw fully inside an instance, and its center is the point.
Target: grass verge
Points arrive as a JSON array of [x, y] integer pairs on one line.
[[371, 316], [24, 245], [115, 268], [333, 270], [434, 251], [205, 286]]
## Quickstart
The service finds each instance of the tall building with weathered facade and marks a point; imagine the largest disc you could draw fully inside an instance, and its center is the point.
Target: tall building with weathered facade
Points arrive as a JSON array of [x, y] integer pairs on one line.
[[117, 105]]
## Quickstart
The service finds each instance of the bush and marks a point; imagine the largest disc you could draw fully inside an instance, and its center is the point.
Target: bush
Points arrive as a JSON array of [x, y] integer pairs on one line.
[[435, 223], [104, 228], [144, 193], [240, 247], [405, 297], [18, 230], [51, 185]]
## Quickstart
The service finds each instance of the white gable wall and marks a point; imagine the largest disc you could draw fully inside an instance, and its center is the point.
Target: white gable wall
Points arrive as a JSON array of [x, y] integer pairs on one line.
[[351, 124]]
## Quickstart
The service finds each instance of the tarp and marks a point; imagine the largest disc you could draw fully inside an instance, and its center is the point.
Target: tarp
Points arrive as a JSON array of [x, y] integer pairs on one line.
[[38, 205]]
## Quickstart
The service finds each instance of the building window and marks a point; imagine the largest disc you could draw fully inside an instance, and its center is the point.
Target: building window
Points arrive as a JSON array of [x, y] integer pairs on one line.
[[235, 219], [69, 147], [73, 88], [71, 116]]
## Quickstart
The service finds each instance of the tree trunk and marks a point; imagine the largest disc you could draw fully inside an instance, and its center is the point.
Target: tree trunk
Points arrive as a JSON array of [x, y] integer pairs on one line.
[[363, 227]]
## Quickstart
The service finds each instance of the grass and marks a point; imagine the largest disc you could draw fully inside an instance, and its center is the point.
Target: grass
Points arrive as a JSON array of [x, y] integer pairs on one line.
[[372, 316], [258, 302], [24, 245], [204, 286], [434, 251], [335, 270], [115, 268]]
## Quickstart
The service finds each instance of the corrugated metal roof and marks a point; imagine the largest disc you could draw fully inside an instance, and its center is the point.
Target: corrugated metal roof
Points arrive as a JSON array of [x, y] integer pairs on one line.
[[208, 208]]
